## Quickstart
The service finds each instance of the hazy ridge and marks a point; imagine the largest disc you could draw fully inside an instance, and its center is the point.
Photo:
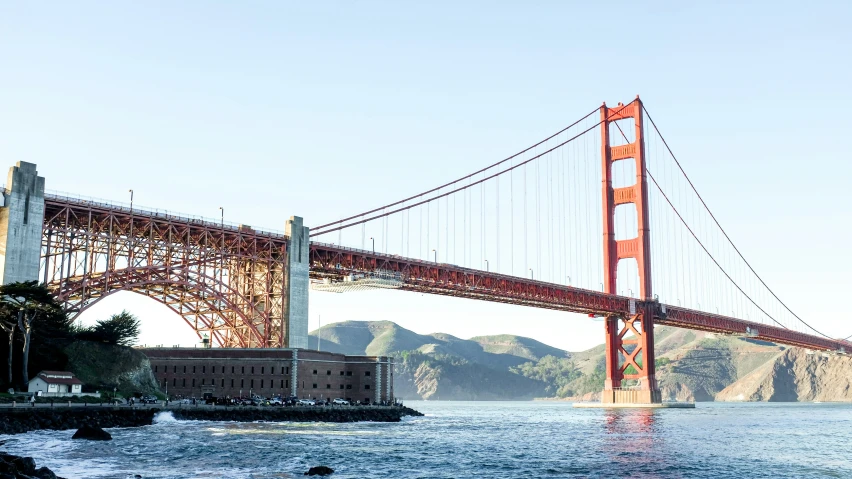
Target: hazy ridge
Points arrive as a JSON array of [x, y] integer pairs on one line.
[[690, 366]]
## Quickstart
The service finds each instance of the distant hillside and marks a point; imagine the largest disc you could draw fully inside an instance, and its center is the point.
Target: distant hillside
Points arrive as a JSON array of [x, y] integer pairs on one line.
[[690, 366]]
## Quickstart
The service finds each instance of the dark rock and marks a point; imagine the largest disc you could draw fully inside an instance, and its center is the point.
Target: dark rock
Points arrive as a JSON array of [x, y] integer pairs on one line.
[[6, 475], [44, 473], [92, 433], [319, 471], [25, 465]]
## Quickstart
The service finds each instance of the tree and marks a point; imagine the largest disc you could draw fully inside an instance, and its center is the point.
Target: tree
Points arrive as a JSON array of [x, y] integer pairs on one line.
[[31, 303], [8, 322], [121, 329]]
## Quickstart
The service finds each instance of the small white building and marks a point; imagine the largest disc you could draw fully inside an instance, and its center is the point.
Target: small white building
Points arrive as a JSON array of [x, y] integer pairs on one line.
[[55, 383]]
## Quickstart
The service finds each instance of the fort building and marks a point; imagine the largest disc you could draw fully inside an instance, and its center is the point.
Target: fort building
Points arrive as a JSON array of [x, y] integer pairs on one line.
[[302, 373]]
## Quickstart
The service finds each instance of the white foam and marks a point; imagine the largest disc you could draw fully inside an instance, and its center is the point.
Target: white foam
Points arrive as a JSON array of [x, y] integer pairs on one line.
[[164, 416]]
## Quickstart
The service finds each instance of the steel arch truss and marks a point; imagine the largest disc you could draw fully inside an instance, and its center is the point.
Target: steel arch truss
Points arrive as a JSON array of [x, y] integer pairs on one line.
[[226, 282]]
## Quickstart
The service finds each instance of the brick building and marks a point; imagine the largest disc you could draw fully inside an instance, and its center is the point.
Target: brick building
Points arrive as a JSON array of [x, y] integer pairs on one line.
[[221, 372]]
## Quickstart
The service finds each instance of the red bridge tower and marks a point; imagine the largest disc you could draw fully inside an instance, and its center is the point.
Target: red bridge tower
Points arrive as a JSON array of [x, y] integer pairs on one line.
[[629, 340]]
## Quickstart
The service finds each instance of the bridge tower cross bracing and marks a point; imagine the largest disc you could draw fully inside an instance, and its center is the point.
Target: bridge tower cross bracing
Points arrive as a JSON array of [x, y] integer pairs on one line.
[[629, 340]]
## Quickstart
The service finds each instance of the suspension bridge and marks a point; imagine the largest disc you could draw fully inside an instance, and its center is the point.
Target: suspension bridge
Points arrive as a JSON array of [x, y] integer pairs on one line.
[[598, 218]]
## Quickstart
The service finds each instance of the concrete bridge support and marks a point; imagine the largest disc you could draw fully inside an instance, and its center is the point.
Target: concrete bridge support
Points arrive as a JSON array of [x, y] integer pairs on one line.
[[21, 219], [297, 283]]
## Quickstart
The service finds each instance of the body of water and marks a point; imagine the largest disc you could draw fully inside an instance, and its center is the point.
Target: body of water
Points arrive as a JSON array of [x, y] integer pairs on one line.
[[476, 439]]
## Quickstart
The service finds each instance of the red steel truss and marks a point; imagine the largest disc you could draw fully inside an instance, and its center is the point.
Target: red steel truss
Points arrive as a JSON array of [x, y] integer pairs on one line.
[[336, 262], [226, 282]]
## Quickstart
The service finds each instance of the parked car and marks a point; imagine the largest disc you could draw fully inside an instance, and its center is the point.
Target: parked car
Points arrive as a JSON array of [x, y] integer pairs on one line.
[[306, 402], [276, 401], [340, 402], [148, 400]]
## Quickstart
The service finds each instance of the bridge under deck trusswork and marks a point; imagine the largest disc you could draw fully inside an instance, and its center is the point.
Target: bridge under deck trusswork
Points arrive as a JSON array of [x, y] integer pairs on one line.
[[243, 287]]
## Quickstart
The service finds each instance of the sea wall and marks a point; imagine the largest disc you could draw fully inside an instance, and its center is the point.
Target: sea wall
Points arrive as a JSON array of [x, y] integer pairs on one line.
[[23, 419]]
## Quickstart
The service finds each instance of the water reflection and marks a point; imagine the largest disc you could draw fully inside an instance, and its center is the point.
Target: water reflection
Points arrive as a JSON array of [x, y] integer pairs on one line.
[[634, 439]]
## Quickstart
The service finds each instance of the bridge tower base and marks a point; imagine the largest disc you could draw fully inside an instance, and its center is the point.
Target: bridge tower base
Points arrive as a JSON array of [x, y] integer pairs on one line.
[[21, 219], [629, 340]]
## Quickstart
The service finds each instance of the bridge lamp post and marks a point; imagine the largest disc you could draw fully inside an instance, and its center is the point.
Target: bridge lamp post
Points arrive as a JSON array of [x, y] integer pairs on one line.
[[630, 291], [131, 199], [374, 244], [436, 256], [532, 274], [569, 281], [486, 266]]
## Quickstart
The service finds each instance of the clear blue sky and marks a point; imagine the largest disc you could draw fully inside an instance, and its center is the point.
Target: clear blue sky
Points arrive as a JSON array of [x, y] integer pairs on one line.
[[319, 109]]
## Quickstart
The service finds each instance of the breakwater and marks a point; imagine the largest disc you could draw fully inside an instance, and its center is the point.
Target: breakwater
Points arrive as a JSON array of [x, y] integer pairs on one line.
[[20, 420]]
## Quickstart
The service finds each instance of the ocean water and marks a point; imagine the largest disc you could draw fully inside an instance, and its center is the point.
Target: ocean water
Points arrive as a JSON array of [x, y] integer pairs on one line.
[[476, 439]]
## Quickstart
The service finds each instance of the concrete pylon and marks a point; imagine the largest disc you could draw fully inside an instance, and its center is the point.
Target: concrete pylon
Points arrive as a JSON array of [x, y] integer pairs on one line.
[[21, 220], [297, 286]]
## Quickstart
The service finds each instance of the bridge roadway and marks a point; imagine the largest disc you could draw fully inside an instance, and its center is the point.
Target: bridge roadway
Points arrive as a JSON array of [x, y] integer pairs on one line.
[[449, 280], [336, 262]]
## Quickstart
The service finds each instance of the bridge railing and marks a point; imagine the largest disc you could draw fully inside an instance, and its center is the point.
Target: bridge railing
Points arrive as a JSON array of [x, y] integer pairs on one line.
[[154, 212]]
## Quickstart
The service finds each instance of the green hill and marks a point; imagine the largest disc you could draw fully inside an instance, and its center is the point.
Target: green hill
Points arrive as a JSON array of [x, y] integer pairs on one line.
[[690, 365]]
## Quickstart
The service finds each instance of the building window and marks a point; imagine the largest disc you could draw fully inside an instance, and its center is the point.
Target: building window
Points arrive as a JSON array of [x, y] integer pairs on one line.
[[223, 382], [193, 369], [282, 384], [213, 369], [315, 371], [232, 370], [287, 383], [261, 384], [174, 381], [261, 369], [244, 370], [272, 370], [184, 369], [288, 370], [232, 382], [184, 381], [366, 373], [328, 373], [193, 382], [174, 369], [328, 386], [252, 383], [242, 382], [341, 373], [203, 369], [341, 386], [155, 368], [315, 385], [348, 373], [366, 386], [348, 386], [202, 381]]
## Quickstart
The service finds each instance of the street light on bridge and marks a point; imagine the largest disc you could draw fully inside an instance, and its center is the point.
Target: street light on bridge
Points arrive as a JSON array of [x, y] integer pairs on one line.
[[532, 274], [486, 266], [131, 200], [436, 256], [374, 244]]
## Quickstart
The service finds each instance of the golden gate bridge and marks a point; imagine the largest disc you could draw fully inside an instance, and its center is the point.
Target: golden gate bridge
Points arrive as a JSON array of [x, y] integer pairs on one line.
[[599, 218]]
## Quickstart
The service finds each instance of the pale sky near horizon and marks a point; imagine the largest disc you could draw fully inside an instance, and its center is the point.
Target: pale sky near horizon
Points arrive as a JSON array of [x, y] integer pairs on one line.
[[323, 109]]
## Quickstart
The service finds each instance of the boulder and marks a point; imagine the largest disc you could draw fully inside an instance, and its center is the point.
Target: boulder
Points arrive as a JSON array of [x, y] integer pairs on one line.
[[92, 433], [44, 473], [24, 465], [319, 471]]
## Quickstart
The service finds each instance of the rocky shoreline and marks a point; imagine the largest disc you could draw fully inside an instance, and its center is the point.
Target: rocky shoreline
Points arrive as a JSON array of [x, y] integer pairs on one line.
[[21, 420], [17, 467]]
